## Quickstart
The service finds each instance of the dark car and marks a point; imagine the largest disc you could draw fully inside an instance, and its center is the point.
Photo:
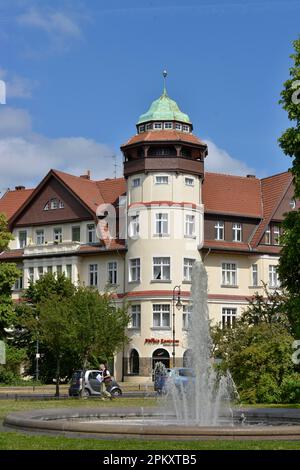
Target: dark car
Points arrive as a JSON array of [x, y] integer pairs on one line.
[[179, 376], [91, 386]]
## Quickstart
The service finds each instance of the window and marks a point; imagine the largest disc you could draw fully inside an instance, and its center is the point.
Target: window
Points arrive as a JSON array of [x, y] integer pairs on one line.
[[229, 272], [186, 316], [292, 204], [93, 274], [161, 269], [69, 271], [168, 125], [276, 233], [31, 274], [219, 230], [39, 237], [237, 232], [57, 235], [136, 182], [228, 317], [268, 236], [161, 316], [59, 270], [40, 271], [135, 317], [53, 204], [185, 128], [157, 125], [178, 126], [148, 127], [134, 226], [161, 180], [273, 276], [189, 230], [50, 269], [134, 270], [189, 181], [91, 233], [141, 128], [22, 238], [254, 275], [19, 282], [76, 233], [112, 272], [161, 224], [187, 268]]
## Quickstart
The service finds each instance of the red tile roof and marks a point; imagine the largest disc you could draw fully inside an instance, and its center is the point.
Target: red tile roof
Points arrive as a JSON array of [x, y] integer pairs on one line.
[[228, 194], [11, 254], [157, 136], [11, 201]]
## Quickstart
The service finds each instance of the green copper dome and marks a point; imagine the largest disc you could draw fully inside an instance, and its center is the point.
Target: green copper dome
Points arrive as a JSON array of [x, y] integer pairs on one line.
[[164, 109]]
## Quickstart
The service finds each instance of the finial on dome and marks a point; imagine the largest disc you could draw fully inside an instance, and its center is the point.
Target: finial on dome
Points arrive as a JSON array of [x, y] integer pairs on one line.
[[165, 74]]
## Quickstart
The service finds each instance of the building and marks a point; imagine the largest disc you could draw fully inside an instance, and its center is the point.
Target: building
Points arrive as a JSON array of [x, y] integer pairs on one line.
[[169, 212]]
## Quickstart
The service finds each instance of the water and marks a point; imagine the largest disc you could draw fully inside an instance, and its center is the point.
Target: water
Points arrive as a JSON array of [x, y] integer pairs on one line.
[[205, 398]]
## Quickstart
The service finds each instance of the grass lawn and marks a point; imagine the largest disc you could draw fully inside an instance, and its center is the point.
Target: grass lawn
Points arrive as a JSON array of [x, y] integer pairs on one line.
[[21, 441]]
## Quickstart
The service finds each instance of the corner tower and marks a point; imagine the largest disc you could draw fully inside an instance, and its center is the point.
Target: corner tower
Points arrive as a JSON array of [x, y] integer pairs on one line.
[[164, 169]]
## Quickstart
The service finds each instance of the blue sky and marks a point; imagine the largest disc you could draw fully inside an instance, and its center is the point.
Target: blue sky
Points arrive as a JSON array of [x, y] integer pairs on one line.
[[80, 72]]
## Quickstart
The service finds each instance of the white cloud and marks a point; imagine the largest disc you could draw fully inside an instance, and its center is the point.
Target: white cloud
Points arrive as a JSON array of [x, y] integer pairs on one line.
[[25, 157], [17, 86], [52, 22], [219, 161]]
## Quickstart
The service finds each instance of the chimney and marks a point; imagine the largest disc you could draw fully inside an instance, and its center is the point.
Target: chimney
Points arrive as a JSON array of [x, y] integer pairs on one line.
[[87, 176], [19, 188], [251, 176]]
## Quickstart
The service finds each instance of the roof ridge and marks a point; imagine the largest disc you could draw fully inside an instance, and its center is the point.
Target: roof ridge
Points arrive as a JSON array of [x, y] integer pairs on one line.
[[277, 174], [231, 176]]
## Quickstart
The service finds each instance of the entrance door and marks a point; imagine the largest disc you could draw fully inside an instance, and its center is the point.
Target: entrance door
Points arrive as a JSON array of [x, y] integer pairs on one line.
[[161, 355]]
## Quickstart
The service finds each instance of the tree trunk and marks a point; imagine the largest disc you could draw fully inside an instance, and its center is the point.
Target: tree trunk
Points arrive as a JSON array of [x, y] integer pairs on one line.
[[57, 377]]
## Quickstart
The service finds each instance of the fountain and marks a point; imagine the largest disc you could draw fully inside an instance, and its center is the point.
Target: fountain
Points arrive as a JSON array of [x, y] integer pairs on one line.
[[202, 410]]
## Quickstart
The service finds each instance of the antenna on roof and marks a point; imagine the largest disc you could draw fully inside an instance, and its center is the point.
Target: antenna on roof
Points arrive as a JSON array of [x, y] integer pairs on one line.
[[115, 165]]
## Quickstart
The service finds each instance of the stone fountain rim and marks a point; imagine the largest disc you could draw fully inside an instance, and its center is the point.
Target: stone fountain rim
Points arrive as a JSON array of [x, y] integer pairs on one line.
[[59, 420]]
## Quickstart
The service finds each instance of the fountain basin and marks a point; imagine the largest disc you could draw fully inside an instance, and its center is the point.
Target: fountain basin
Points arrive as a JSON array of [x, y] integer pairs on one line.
[[262, 423]]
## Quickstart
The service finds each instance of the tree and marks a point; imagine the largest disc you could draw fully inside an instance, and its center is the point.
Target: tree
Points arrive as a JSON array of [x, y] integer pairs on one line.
[[100, 326], [8, 276], [289, 264]]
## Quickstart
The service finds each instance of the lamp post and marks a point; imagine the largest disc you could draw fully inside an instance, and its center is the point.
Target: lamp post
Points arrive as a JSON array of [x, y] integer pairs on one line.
[[176, 296]]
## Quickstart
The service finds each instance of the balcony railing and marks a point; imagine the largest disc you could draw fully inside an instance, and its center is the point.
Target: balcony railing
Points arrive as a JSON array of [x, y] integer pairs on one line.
[[51, 248]]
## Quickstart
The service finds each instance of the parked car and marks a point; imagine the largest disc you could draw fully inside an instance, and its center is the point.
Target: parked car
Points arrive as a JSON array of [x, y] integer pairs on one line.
[[180, 376], [92, 385]]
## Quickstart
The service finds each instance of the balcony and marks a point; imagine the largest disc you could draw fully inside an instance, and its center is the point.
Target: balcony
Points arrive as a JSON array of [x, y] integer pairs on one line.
[[51, 248]]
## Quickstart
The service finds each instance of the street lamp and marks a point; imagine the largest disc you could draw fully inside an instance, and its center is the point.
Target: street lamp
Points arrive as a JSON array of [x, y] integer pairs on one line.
[[176, 298]]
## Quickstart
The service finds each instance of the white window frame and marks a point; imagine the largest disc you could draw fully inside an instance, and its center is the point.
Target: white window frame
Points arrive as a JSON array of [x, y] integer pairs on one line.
[[187, 268], [189, 225], [189, 181], [69, 271], [178, 126], [161, 179], [135, 317], [228, 274], [185, 128], [57, 234], [40, 271], [112, 272], [276, 234], [136, 182], [237, 234], [268, 235], [91, 230], [186, 316], [134, 226], [135, 267], [254, 275], [161, 224], [168, 125], [219, 229], [30, 274], [274, 282], [229, 316], [22, 243], [93, 275], [157, 125], [19, 284], [40, 236], [76, 227], [161, 267], [164, 311]]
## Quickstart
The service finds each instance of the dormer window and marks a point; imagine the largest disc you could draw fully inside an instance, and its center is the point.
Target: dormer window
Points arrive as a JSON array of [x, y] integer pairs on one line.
[[178, 126], [157, 125], [148, 127], [141, 128], [168, 125], [53, 204], [185, 128]]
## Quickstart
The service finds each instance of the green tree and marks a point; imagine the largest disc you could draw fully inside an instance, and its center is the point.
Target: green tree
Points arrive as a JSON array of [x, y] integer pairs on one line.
[[289, 265], [8, 276]]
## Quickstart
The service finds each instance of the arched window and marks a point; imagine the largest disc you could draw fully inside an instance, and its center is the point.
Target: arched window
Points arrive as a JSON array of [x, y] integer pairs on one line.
[[187, 358], [161, 355], [134, 362]]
